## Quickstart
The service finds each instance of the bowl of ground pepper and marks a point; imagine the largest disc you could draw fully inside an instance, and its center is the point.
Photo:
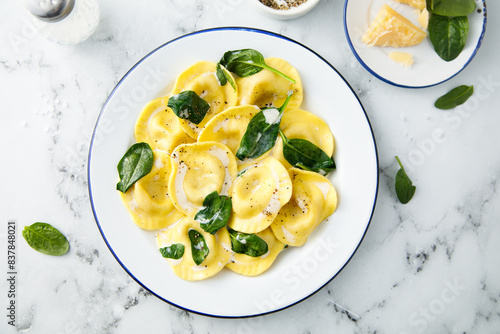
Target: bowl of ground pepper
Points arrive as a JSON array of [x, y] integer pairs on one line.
[[284, 9]]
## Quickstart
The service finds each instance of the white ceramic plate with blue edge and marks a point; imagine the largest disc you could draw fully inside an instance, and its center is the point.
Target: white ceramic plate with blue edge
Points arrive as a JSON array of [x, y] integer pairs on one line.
[[298, 272], [429, 69]]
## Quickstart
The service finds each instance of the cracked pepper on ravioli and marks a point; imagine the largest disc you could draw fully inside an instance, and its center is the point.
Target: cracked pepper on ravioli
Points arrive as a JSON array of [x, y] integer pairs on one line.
[[229, 126], [158, 126], [313, 200], [148, 199], [258, 193], [272, 205], [302, 124], [202, 79], [267, 89], [199, 169]]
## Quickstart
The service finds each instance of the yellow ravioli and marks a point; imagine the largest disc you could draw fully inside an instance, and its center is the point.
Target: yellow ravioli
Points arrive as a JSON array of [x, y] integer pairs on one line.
[[229, 126], [219, 246], [313, 200], [302, 124], [266, 89], [202, 79], [197, 170], [253, 266], [148, 200], [258, 193], [158, 126]]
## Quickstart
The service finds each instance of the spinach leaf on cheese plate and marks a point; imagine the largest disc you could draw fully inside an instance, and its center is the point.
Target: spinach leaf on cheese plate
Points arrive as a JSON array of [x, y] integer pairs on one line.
[[448, 35]]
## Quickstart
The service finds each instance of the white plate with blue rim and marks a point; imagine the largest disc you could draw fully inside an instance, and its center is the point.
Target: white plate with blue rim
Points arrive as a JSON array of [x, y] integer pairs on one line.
[[298, 272], [428, 68]]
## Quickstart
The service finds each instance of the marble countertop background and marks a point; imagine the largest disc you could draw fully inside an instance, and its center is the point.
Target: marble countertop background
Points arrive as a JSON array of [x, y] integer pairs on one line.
[[431, 266]]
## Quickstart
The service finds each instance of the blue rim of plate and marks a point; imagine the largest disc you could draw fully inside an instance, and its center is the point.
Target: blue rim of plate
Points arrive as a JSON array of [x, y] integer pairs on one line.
[[480, 41], [254, 30]]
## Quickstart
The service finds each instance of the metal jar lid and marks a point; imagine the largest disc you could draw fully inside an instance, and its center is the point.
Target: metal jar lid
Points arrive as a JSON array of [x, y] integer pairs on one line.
[[50, 10]]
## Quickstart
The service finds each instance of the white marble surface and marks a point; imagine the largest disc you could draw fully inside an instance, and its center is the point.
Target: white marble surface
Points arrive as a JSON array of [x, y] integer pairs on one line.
[[431, 266]]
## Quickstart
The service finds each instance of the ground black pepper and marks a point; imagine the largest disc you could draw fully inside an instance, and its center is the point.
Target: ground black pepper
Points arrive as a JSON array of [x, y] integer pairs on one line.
[[282, 4]]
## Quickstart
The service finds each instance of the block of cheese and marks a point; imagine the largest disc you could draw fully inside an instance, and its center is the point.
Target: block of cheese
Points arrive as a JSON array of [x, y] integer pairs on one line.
[[389, 28], [419, 4]]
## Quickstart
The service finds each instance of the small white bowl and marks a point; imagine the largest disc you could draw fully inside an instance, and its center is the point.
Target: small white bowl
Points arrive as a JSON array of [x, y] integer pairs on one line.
[[285, 14]]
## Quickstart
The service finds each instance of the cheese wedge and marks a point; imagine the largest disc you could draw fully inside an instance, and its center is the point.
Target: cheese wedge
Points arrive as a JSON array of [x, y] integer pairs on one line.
[[389, 28], [419, 4], [423, 18]]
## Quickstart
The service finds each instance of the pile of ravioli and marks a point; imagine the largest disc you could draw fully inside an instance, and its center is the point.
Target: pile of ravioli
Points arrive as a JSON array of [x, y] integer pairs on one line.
[[279, 203]]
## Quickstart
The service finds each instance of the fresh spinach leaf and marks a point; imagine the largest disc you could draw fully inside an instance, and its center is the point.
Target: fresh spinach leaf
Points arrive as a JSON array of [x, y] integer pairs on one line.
[[174, 251], [404, 187], [454, 97], [223, 76], [431, 4], [262, 132], [247, 62], [448, 35], [46, 239], [451, 8], [199, 248], [305, 155], [215, 213], [188, 105], [249, 244], [136, 163]]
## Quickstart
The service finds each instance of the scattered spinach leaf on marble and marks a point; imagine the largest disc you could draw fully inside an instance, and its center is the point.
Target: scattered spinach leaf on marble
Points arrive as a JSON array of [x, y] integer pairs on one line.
[[262, 132], [188, 105], [244, 63], [215, 212], [45, 239], [454, 97], [305, 155], [174, 251], [199, 247], [448, 35], [249, 244], [136, 163], [451, 8], [404, 187]]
